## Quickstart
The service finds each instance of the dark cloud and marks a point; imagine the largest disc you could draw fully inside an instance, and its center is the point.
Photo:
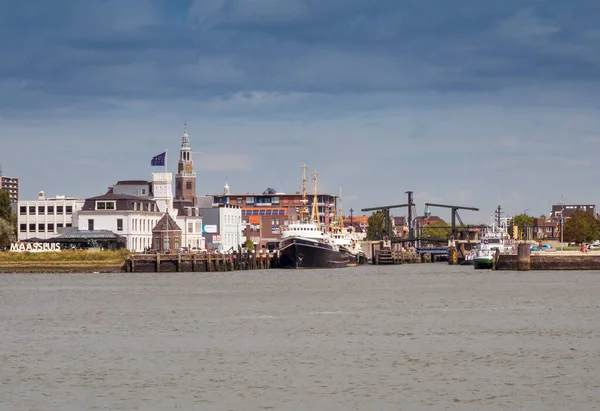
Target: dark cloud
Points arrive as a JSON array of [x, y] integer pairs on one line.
[[67, 50]]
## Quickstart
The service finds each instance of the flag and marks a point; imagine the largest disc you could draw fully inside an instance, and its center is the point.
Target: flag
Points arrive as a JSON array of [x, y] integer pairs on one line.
[[158, 160]]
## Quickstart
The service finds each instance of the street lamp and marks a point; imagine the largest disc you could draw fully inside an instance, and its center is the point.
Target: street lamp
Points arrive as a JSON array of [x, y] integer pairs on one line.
[[351, 212], [527, 228]]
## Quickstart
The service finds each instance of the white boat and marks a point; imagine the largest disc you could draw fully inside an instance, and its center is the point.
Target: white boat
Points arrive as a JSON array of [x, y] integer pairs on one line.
[[347, 240], [494, 237]]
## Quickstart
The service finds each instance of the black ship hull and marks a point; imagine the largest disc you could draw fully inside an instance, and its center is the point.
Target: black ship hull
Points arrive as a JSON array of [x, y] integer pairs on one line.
[[304, 253]]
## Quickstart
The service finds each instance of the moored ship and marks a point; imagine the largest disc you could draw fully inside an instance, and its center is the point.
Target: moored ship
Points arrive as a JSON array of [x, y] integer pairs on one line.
[[305, 245]]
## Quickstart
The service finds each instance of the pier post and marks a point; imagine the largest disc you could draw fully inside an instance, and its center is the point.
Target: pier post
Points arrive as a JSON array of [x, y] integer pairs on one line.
[[158, 262], [451, 255], [194, 258], [179, 262], [132, 266], [524, 257]]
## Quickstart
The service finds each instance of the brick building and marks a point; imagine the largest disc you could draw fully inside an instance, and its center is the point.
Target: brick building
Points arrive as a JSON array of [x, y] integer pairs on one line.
[[264, 215]]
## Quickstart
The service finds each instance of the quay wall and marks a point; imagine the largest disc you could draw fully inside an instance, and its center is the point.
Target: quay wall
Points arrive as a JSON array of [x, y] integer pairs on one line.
[[552, 261]]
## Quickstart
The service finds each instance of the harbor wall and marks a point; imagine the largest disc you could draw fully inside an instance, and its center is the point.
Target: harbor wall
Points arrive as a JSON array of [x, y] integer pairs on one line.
[[552, 261]]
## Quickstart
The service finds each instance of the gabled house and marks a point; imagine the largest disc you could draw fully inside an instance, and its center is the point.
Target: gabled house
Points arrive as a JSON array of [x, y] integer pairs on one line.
[[166, 235]]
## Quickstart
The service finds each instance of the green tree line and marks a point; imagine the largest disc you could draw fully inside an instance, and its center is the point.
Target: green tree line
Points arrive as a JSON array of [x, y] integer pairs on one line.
[[8, 221]]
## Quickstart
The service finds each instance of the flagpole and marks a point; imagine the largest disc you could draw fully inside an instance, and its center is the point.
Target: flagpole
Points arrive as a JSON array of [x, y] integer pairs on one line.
[[167, 205]]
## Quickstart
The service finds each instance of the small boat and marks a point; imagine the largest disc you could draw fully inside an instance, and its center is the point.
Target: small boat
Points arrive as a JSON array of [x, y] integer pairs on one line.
[[493, 238]]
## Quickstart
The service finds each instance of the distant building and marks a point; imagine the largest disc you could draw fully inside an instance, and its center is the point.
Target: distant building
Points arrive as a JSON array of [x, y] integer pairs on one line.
[[136, 188], [565, 211], [46, 217], [10, 185], [543, 228]]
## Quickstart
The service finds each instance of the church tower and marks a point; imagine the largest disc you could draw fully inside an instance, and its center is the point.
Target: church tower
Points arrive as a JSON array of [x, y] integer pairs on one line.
[[185, 180]]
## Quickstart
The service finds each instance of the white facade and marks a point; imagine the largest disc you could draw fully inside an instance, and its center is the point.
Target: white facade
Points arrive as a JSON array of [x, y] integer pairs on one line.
[[135, 225], [230, 228], [162, 187], [223, 227], [44, 217], [191, 231]]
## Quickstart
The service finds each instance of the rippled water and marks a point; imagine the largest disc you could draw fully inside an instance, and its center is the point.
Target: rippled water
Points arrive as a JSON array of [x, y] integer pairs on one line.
[[407, 337]]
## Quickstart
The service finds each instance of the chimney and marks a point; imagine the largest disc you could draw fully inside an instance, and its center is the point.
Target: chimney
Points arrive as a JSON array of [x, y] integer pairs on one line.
[[41, 196]]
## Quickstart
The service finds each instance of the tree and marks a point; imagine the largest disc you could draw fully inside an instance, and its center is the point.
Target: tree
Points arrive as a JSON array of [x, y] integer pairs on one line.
[[523, 220], [376, 226], [435, 230], [581, 227], [7, 233], [6, 212], [249, 244], [9, 217]]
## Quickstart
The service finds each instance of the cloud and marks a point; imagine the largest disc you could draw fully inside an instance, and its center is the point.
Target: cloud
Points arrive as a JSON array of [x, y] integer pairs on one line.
[[225, 162], [268, 50]]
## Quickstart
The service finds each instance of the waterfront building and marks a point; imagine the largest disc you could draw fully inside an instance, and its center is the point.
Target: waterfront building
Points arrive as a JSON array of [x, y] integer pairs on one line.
[[129, 216], [10, 185], [136, 188], [46, 217], [223, 226], [167, 235], [265, 214]]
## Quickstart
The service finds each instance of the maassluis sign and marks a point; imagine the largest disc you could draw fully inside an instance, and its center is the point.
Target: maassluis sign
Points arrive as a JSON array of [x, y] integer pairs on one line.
[[35, 247]]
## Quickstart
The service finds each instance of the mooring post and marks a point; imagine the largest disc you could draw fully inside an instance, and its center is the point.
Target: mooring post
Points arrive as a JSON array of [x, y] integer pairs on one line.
[[524, 257], [178, 262], [132, 264], [158, 262], [194, 258]]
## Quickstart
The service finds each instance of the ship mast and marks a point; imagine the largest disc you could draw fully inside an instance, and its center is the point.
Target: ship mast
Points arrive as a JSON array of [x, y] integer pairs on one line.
[[315, 206], [341, 213], [304, 210]]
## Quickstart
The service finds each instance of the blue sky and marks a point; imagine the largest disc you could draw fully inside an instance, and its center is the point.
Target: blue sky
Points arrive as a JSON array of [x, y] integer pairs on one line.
[[463, 102]]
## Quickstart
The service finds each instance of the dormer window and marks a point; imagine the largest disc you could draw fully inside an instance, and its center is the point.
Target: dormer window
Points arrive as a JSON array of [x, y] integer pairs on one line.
[[105, 205]]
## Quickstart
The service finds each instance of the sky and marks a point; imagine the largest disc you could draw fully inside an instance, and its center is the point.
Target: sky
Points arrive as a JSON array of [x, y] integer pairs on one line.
[[463, 102]]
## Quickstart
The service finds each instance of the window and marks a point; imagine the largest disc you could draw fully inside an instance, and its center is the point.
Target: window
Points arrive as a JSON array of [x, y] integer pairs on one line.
[[23, 227], [31, 209], [178, 185], [104, 205], [188, 185], [69, 209], [167, 243], [176, 242], [23, 210], [59, 209], [41, 227], [249, 200], [50, 209], [41, 209], [157, 243], [275, 200], [50, 227], [143, 191], [59, 225], [240, 200], [68, 225], [119, 224], [90, 224], [32, 227], [190, 227]]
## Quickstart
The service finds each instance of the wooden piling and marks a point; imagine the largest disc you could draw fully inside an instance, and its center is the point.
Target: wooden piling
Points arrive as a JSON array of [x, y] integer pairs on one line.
[[523, 257]]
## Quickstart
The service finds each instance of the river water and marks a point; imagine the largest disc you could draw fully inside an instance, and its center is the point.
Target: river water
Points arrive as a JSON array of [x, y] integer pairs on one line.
[[411, 337]]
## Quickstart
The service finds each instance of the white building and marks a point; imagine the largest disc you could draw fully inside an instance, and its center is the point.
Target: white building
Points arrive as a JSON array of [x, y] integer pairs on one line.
[[129, 216], [46, 217], [222, 225]]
